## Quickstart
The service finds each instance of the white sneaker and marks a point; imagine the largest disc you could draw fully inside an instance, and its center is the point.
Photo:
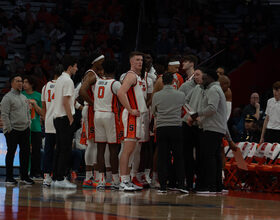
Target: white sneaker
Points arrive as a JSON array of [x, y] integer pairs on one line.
[[101, 186], [53, 183], [47, 181], [127, 186], [65, 184], [115, 186]]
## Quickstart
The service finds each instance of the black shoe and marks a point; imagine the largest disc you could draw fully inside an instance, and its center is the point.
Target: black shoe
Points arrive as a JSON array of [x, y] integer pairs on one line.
[[11, 181], [162, 190], [27, 181]]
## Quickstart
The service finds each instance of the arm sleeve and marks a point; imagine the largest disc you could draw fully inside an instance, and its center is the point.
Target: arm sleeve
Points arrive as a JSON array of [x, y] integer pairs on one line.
[[212, 103], [267, 110], [115, 87], [154, 105], [5, 112], [229, 105], [68, 89]]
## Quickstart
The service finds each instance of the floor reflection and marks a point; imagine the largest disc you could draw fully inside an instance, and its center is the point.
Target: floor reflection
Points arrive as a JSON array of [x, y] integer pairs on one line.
[[37, 202]]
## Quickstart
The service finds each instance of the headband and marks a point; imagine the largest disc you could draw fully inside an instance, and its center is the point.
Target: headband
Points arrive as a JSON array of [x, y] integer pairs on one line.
[[97, 59], [173, 63]]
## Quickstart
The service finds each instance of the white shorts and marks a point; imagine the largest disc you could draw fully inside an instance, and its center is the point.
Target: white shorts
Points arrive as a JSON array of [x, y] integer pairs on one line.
[[106, 127], [131, 126], [145, 123]]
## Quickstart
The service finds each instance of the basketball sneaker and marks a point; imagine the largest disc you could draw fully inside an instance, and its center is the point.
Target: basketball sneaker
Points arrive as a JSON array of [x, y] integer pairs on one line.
[[47, 180], [88, 183], [137, 184], [127, 186]]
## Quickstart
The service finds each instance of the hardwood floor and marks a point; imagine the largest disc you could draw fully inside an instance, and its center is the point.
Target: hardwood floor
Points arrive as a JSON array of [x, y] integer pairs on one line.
[[38, 202]]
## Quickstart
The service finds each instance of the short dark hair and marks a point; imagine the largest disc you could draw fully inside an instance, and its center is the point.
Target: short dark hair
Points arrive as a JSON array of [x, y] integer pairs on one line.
[[135, 53], [58, 70], [167, 78], [110, 66], [276, 85], [191, 58], [14, 76], [31, 81], [68, 61]]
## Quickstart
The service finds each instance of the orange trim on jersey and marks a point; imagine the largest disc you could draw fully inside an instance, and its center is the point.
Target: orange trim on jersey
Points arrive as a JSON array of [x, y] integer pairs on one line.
[[131, 98], [121, 134], [117, 126], [180, 80]]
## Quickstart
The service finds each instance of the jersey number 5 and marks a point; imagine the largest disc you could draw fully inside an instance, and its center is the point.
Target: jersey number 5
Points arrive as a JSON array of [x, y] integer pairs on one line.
[[101, 91], [50, 96]]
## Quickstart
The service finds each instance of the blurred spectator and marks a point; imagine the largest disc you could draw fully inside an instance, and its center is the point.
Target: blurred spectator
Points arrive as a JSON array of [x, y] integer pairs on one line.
[[11, 33], [16, 63], [254, 107], [3, 68], [116, 27]]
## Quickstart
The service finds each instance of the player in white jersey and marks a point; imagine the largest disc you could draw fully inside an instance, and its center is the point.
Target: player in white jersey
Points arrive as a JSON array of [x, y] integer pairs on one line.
[[86, 92], [48, 115], [132, 99], [106, 121]]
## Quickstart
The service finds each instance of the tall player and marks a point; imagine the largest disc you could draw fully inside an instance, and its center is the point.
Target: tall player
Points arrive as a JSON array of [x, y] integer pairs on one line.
[[48, 115], [106, 122], [131, 97], [86, 92]]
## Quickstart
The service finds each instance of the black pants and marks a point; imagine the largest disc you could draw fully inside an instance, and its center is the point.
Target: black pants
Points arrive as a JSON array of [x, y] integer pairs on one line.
[[50, 140], [272, 136], [64, 137], [36, 143], [170, 139], [191, 137], [13, 139], [211, 161]]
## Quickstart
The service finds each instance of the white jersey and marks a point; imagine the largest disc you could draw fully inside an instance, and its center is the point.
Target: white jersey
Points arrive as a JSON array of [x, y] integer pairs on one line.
[[136, 97], [91, 89], [48, 97], [146, 84], [105, 95]]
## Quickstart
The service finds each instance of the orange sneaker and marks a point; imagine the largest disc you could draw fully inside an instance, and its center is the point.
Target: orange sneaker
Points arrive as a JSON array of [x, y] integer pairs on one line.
[[87, 183], [95, 183]]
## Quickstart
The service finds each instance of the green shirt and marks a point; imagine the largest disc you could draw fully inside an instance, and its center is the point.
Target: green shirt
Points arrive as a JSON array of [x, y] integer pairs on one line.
[[35, 118]]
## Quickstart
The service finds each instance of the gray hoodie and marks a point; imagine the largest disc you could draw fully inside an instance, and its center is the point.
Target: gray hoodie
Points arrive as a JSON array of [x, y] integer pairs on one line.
[[214, 109], [15, 112]]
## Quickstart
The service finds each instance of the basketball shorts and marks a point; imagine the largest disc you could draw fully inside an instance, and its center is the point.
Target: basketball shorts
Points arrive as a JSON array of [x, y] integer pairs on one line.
[[131, 126], [106, 127]]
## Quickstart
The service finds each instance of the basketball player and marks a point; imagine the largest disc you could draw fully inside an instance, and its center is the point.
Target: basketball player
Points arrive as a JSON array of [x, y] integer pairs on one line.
[[131, 97], [86, 92], [48, 115], [106, 122], [173, 67]]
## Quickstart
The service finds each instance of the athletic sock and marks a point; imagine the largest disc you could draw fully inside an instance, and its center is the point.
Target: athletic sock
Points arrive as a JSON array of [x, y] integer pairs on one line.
[[125, 178], [116, 178], [88, 175]]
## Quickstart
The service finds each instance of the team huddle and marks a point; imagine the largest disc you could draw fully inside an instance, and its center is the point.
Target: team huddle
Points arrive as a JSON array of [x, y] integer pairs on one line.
[[113, 112]]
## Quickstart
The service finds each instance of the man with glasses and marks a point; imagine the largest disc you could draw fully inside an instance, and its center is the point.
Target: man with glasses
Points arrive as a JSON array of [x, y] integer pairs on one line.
[[15, 114]]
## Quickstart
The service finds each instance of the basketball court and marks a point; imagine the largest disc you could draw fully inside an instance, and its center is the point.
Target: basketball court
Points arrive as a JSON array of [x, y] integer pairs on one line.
[[38, 202]]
